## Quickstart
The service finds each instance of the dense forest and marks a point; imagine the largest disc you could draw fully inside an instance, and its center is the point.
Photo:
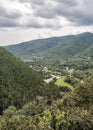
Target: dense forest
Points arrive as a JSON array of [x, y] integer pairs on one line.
[[73, 111], [27, 102], [19, 84]]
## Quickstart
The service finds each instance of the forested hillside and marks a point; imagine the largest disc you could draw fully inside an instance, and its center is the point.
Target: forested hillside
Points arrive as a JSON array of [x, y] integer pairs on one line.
[[19, 83], [56, 47]]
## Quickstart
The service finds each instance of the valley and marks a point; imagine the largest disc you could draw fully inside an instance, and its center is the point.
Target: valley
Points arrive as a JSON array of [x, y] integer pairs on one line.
[[47, 84], [46, 64], [67, 58]]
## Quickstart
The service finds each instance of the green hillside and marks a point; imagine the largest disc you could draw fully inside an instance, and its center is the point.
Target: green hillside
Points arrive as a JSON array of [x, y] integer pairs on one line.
[[27, 103], [19, 83], [55, 48]]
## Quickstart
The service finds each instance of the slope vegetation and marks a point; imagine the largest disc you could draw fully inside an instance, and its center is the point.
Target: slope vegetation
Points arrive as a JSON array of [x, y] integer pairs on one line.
[[56, 47], [19, 83]]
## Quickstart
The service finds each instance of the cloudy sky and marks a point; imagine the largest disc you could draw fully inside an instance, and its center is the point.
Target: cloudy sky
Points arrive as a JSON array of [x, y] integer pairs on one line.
[[24, 20]]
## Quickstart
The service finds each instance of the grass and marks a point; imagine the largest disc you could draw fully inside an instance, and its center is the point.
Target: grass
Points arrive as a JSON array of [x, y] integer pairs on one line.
[[61, 82]]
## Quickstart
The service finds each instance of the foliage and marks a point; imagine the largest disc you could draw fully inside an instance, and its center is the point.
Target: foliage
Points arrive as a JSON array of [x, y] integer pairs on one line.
[[19, 84], [73, 112], [52, 49]]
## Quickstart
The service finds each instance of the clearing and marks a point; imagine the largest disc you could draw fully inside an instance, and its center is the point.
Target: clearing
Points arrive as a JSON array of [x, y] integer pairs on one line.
[[61, 82]]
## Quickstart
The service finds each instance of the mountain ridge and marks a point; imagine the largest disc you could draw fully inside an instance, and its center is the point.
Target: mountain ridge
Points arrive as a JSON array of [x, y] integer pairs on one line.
[[55, 47]]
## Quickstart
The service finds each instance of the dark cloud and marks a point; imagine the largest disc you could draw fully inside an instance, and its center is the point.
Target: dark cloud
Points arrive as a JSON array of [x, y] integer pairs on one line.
[[81, 20], [47, 13], [37, 2], [8, 18], [6, 22], [78, 12], [9, 13], [67, 2]]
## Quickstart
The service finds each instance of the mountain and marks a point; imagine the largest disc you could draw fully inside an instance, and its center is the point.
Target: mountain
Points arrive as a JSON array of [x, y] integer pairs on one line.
[[55, 48], [18, 83]]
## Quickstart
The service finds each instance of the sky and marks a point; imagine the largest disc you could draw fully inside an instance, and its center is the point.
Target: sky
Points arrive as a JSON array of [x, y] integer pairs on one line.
[[24, 20]]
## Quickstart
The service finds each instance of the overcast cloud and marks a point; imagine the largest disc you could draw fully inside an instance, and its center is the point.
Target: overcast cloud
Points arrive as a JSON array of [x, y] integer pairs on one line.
[[44, 16]]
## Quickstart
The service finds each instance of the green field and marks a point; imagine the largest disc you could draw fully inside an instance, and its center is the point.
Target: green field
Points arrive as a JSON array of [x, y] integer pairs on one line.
[[61, 82]]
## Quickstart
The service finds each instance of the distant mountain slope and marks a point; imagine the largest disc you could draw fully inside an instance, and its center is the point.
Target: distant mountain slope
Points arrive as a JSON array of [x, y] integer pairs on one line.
[[55, 47], [19, 83]]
